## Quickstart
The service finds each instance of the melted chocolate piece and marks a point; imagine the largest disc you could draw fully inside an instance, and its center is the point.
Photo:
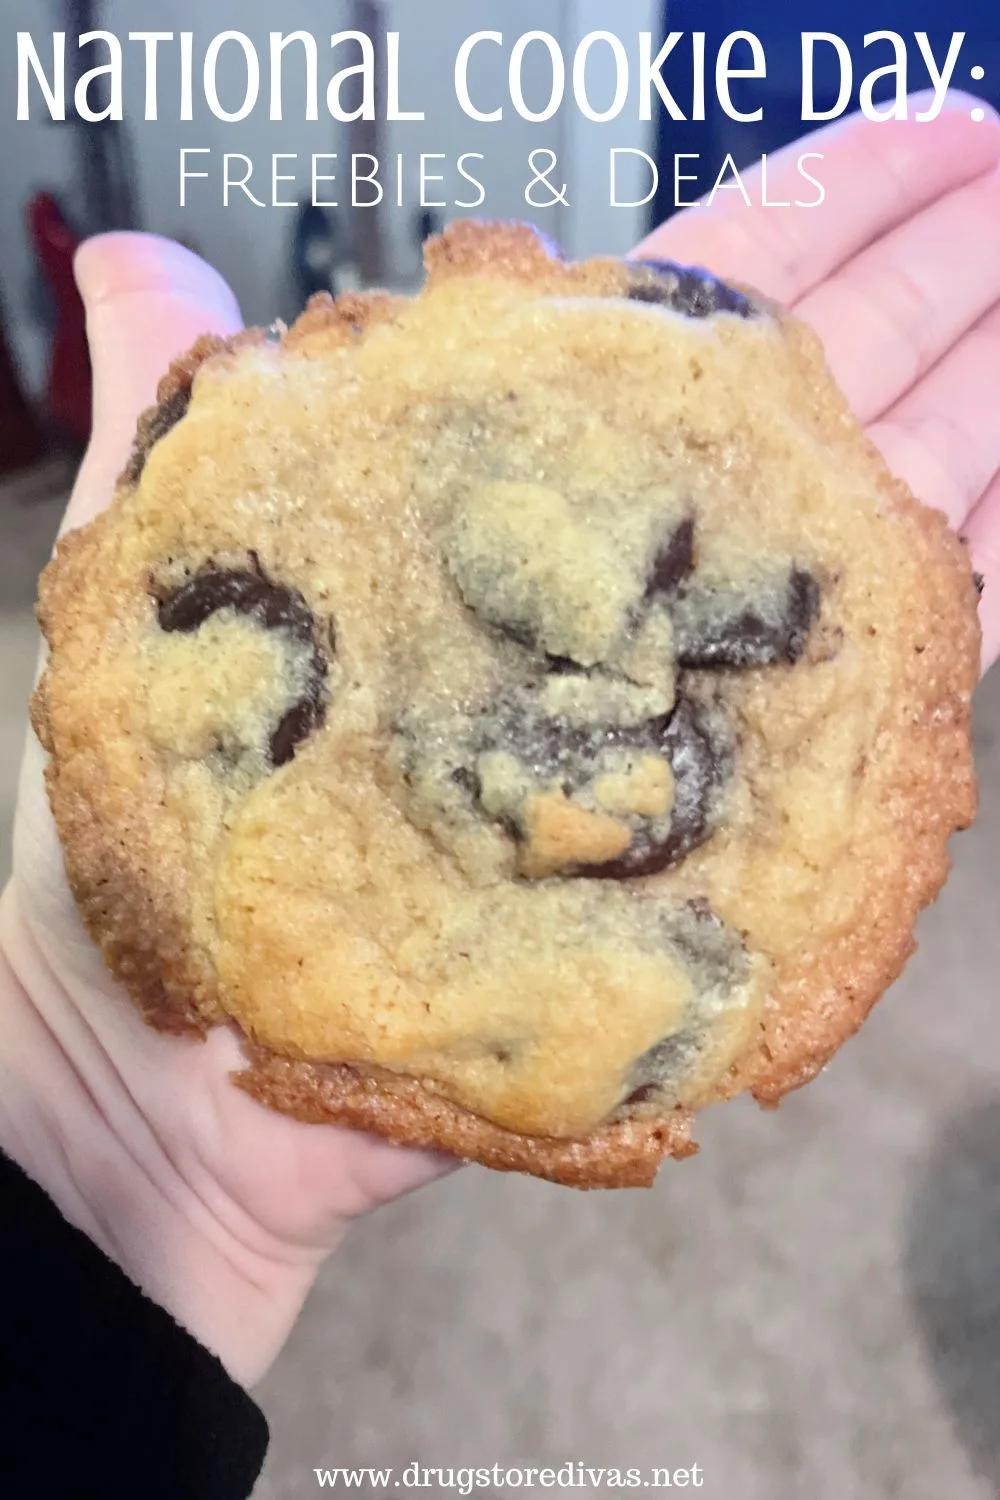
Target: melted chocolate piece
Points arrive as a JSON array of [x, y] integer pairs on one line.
[[716, 958], [688, 290], [298, 723], [642, 1095], [659, 1063], [250, 592], [725, 628], [707, 943], [674, 561], [696, 748], [701, 763], [980, 583], [154, 426], [168, 414]]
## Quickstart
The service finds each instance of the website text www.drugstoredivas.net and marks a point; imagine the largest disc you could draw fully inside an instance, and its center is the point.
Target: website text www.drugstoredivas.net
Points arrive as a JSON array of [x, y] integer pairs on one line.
[[465, 1481]]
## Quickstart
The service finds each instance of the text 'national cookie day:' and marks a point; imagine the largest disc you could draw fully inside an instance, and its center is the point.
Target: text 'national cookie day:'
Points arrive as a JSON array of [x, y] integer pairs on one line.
[[351, 78]]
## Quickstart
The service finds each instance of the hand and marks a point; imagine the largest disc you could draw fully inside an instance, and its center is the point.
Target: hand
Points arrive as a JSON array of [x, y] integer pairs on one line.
[[220, 1209], [898, 273]]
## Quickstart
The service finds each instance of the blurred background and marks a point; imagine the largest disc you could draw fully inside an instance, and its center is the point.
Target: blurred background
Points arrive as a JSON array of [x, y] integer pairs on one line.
[[812, 1306]]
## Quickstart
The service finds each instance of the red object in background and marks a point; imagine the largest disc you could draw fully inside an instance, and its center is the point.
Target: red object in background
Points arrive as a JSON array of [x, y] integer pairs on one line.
[[68, 393], [20, 440]]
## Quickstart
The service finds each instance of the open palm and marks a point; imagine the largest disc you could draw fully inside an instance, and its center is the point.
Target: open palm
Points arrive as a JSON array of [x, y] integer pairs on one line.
[[220, 1209]]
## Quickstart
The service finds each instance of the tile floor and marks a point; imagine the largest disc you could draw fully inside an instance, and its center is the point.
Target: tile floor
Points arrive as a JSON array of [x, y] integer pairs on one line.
[[809, 1308]]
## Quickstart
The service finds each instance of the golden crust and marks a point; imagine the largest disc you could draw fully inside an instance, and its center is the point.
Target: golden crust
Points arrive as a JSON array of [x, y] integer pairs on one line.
[[625, 1154], [133, 912], [929, 783], [136, 909]]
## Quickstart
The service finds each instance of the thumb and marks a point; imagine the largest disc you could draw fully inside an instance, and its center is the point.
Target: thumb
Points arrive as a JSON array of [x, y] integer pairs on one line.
[[147, 301]]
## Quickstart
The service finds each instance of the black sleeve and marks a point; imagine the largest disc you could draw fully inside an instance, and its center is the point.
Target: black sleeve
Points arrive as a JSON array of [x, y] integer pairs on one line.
[[101, 1392]]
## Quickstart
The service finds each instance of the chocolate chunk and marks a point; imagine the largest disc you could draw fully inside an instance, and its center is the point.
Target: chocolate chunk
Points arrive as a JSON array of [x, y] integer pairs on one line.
[[550, 748], [674, 561], [249, 592], [644, 1094], [297, 724], [980, 583], [720, 627], [154, 426], [716, 959], [168, 414], [713, 951], [688, 290], [694, 744], [701, 761], [660, 1065]]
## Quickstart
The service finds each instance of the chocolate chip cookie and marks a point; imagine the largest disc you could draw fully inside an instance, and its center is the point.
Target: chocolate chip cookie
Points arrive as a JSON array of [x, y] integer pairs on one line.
[[529, 712]]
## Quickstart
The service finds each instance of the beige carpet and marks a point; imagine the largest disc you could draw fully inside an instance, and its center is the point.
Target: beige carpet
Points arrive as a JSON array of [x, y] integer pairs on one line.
[[811, 1308]]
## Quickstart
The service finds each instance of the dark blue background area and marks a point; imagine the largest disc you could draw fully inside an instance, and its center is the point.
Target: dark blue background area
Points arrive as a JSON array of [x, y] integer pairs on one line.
[[779, 27]]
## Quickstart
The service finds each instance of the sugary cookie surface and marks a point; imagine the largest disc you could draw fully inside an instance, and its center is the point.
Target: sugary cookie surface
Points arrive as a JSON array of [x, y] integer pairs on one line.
[[528, 712]]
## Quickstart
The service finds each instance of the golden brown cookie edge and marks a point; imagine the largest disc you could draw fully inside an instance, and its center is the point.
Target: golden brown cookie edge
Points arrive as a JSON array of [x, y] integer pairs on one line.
[[403, 1110], [934, 788]]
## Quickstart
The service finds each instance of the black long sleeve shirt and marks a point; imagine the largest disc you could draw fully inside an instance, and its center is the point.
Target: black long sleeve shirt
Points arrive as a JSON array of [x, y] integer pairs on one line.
[[102, 1393]]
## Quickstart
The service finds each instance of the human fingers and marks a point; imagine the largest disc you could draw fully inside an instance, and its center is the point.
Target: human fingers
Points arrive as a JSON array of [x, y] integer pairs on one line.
[[889, 314], [876, 174], [147, 301], [942, 437]]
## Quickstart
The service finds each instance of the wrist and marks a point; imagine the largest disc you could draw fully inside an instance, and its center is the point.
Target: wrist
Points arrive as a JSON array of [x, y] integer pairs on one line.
[[70, 1118]]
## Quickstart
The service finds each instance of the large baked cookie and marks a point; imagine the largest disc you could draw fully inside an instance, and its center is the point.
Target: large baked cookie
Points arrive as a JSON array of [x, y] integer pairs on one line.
[[529, 713]]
